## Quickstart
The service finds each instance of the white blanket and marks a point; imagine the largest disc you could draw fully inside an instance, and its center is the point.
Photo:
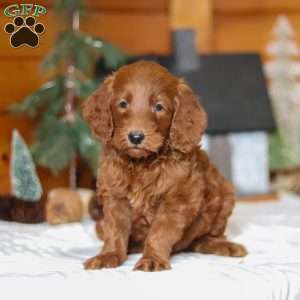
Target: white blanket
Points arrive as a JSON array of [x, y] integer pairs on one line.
[[45, 262]]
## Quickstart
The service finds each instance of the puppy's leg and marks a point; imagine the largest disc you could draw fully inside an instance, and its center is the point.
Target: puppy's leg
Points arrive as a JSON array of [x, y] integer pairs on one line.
[[172, 219], [218, 246], [199, 228], [117, 225]]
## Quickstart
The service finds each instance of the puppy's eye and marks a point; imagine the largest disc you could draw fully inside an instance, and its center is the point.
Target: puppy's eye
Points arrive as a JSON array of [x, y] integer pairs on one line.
[[123, 103], [158, 107]]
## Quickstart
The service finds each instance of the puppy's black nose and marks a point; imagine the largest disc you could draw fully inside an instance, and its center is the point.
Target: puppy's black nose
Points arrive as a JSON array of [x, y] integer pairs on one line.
[[136, 137]]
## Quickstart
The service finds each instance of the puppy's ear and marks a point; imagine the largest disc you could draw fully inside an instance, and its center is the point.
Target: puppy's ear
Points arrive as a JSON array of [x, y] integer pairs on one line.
[[189, 120], [97, 111]]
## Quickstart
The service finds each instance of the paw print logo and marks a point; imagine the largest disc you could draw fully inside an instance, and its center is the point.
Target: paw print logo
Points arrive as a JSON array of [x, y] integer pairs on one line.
[[24, 32]]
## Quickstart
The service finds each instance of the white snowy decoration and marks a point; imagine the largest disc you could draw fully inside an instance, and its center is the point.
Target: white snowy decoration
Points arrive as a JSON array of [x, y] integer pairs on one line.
[[283, 72], [24, 179]]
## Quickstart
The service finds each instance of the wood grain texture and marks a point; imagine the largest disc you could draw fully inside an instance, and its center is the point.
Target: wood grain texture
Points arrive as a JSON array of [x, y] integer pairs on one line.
[[139, 27], [18, 78], [247, 33], [136, 34], [196, 14], [254, 6], [131, 6]]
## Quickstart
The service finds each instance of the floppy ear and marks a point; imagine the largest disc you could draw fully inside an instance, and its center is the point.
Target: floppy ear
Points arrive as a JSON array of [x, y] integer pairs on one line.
[[189, 120], [97, 112]]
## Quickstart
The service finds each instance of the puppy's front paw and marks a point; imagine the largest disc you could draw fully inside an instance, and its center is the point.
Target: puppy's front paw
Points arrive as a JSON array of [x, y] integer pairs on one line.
[[109, 260], [150, 264]]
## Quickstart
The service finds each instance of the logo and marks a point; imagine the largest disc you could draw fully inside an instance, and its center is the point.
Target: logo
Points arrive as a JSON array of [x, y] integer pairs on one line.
[[24, 28]]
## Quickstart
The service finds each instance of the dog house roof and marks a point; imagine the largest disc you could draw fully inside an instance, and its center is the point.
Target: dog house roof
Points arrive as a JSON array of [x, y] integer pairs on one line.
[[232, 89]]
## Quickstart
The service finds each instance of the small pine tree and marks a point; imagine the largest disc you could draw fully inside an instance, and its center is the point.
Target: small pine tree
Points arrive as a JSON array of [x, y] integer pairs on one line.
[[25, 182], [282, 72], [62, 134]]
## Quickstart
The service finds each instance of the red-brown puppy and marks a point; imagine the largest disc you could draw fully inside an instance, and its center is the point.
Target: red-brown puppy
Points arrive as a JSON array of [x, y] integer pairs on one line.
[[160, 193]]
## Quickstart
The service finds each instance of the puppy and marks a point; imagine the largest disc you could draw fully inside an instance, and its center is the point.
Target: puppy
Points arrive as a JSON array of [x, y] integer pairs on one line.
[[159, 192]]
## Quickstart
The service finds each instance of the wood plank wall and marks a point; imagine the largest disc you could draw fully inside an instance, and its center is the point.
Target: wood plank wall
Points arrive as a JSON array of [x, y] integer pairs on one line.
[[247, 25], [139, 27]]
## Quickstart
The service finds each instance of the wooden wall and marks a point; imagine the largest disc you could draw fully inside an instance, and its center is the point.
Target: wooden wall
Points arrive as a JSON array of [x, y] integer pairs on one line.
[[247, 25], [137, 26]]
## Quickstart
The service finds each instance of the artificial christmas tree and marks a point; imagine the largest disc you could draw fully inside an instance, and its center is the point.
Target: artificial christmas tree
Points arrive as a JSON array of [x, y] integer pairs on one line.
[[23, 204], [61, 132], [25, 182]]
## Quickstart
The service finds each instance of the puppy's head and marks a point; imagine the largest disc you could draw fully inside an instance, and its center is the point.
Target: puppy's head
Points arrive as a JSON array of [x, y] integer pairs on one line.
[[142, 108]]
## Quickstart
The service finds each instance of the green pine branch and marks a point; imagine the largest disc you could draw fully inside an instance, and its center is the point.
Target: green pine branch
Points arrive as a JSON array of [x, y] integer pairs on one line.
[[83, 47], [48, 93], [57, 140]]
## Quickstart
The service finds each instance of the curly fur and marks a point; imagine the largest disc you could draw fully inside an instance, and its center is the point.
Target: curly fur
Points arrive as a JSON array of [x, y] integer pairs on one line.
[[164, 195]]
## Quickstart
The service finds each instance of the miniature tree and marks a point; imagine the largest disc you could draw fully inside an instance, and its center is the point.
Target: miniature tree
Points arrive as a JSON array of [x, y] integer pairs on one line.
[[61, 133], [25, 182], [282, 72]]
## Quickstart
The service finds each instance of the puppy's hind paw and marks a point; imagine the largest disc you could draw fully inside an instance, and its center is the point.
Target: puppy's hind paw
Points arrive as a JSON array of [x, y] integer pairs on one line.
[[149, 264], [109, 260]]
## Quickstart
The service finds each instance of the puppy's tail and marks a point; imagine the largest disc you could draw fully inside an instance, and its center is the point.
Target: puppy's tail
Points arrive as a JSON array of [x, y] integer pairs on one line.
[[17, 210]]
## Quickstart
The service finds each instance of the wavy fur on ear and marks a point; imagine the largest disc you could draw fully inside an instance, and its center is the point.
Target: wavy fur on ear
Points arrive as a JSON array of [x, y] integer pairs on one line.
[[97, 112], [189, 121]]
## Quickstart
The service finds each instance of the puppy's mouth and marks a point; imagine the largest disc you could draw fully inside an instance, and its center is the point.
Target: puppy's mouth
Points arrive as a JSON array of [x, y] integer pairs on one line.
[[138, 152]]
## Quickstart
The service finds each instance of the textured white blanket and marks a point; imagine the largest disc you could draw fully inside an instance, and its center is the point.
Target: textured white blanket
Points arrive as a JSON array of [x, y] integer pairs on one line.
[[45, 262]]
